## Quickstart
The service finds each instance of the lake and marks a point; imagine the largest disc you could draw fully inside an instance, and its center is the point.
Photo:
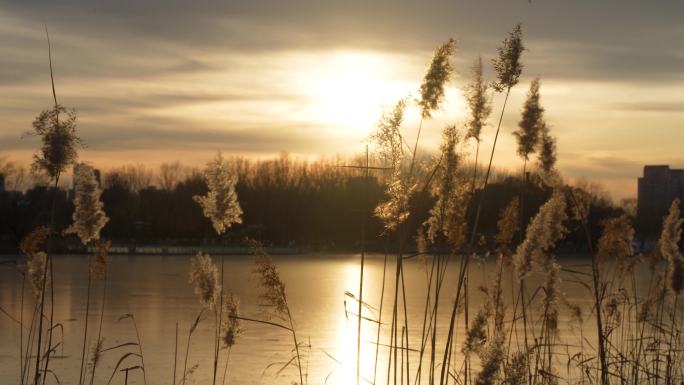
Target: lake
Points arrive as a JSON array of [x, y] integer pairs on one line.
[[156, 291]]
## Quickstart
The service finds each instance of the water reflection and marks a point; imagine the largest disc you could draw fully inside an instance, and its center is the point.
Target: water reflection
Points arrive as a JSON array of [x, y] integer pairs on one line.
[[156, 291]]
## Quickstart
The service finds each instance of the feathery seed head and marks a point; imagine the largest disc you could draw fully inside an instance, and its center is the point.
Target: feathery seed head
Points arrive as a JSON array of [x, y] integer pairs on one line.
[[59, 141], [507, 225], [388, 135], [35, 269], [575, 310], [99, 267], [507, 64], [516, 371], [35, 259], [32, 242], [272, 295], [220, 204], [204, 275], [477, 333], [89, 217], [547, 151], [545, 229], [669, 247], [491, 359], [616, 240], [532, 123], [439, 73], [232, 325], [447, 217], [551, 295], [395, 210], [479, 105], [388, 138]]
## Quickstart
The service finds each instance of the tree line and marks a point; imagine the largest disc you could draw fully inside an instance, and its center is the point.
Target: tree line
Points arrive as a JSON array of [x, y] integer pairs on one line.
[[319, 204]]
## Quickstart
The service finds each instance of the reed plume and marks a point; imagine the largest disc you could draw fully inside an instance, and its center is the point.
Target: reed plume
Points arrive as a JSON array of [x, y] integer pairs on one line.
[[32, 242], [476, 337], [387, 136], [551, 295], [531, 124], [438, 74], [272, 295], [390, 144], [508, 69], [616, 240], [59, 149], [99, 267], [30, 246], [205, 278], [478, 101], [232, 326], [507, 63], [545, 229], [515, 373], [547, 151], [669, 247], [220, 204], [59, 140], [507, 226], [447, 217], [88, 217], [491, 358], [35, 268]]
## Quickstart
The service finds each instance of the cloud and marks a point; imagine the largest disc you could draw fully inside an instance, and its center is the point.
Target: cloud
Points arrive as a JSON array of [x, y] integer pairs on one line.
[[608, 39], [650, 106], [159, 74]]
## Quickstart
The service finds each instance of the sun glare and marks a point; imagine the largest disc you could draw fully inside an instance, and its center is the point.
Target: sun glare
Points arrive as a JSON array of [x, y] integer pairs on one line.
[[347, 90]]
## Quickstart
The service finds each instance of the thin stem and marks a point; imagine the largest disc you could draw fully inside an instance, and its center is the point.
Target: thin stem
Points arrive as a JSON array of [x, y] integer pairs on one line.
[[142, 356], [219, 320], [21, 331], [452, 322], [85, 328], [522, 201], [48, 261], [225, 368], [102, 308], [597, 297], [425, 331], [48, 265], [175, 355], [216, 343], [294, 337], [187, 347], [382, 297], [489, 169], [363, 259]]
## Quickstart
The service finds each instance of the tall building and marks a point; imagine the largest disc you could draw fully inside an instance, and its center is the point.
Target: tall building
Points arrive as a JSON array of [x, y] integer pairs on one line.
[[659, 186]]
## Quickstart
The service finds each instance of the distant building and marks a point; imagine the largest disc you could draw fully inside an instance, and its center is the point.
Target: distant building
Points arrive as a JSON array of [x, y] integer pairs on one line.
[[659, 186]]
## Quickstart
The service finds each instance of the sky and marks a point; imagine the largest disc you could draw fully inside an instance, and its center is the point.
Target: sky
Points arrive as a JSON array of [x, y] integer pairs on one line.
[[162, 80]]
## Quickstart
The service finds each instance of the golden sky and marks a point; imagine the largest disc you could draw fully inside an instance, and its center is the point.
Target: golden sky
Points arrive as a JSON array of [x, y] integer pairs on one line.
[[159, 81]]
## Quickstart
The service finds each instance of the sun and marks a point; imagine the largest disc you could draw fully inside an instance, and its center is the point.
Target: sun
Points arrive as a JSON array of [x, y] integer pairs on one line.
[[346, 90]]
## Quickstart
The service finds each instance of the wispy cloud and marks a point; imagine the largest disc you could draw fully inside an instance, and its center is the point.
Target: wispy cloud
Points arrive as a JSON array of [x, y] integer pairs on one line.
[[267, 76]]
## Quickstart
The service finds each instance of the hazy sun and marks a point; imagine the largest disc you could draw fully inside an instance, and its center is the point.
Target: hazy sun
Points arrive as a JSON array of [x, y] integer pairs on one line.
[[347, 90]]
